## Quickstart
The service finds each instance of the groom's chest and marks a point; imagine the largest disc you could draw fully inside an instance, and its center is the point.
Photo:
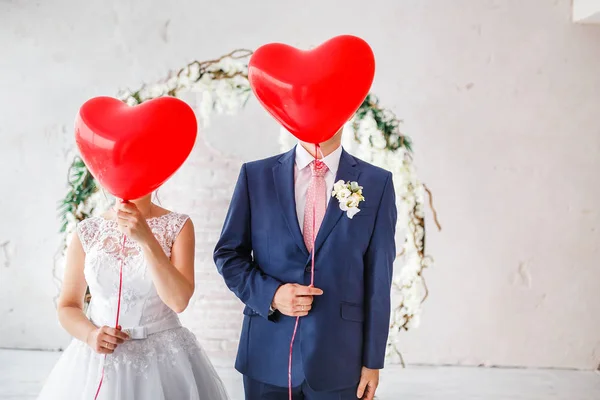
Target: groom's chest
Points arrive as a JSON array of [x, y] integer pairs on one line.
[[277, 212], [302, 184]]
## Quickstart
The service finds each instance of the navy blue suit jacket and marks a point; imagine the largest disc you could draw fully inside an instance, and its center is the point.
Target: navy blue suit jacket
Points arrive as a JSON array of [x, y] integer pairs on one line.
[[261, 247]]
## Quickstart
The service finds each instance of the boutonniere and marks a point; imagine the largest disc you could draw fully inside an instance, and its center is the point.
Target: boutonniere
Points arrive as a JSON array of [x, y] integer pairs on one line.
[[349, 194]]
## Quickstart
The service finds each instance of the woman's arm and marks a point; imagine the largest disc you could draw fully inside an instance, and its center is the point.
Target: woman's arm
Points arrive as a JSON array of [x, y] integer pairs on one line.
[[173, 278], [70, 305], [70, 302]]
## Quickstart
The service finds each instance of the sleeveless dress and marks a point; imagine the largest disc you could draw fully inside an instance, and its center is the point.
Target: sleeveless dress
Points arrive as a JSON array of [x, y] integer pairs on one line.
[[163, 360]]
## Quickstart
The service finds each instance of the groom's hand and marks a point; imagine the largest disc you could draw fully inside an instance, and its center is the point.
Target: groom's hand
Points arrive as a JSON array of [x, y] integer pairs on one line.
[[294, 300], [369, 380]]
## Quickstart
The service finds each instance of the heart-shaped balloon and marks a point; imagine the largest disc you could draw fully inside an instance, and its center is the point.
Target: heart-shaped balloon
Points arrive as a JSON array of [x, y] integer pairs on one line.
[[312, 93], [132, 151]]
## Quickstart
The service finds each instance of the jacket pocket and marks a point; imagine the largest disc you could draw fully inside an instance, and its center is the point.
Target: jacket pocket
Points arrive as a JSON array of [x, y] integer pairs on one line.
[[352, 312]]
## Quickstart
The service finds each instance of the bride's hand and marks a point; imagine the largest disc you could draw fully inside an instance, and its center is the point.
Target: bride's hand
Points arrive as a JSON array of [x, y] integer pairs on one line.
[[105, 340], [132, 223]]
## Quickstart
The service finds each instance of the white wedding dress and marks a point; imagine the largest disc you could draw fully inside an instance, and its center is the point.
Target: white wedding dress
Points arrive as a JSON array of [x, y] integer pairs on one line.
[[165, 361]]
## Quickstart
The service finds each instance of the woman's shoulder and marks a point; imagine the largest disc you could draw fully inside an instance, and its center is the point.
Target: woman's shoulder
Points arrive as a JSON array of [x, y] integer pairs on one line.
[[169, 215], [90, 222], [178, 215], [87, 230], [176, 219]]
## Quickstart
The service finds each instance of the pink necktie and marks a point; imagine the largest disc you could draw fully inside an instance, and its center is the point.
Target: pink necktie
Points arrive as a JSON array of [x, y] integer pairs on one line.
[[316, 200]]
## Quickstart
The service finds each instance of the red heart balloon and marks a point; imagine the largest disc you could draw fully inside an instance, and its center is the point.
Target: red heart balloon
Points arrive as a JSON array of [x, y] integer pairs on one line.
[[313, 93], [131, 151]]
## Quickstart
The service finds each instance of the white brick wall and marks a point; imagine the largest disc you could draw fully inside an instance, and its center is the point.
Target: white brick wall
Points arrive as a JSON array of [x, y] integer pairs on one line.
[[203, 190]]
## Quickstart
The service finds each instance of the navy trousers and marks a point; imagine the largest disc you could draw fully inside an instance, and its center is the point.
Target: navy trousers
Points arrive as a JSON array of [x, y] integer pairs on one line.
[[261, 391]]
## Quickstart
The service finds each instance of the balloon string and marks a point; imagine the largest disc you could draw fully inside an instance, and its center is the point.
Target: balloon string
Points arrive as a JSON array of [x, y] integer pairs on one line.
[[101, 378], [312, 272], [290, 359], [118, 310]]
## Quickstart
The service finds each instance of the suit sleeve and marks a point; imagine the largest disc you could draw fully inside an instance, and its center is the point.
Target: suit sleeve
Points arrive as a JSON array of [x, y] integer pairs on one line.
[[233, 254], [379, 260]]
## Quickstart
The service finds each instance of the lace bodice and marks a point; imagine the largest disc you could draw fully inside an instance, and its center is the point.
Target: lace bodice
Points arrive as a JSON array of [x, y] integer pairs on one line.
[[140, 304]]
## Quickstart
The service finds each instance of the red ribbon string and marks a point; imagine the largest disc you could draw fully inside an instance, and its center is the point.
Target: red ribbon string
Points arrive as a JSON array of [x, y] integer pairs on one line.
[[312, 274], [118, 310], [290, 360]]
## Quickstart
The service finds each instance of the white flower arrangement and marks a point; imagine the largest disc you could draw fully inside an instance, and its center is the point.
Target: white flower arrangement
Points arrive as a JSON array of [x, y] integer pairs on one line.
[[370, 143], [221, 83], [349, 195]]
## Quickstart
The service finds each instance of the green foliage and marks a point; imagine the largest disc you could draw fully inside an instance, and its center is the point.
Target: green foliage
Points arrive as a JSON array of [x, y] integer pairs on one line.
[[81, 186], [386, 121]]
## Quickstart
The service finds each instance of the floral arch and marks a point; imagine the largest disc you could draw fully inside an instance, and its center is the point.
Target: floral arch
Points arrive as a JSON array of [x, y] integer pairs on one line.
[[373, 135]]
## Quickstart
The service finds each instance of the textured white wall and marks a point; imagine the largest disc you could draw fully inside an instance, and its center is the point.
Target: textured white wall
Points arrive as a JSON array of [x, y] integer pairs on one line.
[[501, 97]]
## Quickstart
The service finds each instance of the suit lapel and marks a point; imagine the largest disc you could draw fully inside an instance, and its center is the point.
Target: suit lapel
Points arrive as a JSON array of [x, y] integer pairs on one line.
[[283, 173], [347, 171]]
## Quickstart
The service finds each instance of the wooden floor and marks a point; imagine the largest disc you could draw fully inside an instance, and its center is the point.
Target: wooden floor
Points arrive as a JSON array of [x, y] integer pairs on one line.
[[22, 374]]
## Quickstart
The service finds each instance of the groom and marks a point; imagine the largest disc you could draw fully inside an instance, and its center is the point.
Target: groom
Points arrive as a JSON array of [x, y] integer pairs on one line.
[[264, 255]]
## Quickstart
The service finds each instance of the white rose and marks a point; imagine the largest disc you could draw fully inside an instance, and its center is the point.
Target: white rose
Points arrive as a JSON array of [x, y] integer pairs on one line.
[[380, 158], [194, 72], [173, 82], [405, 281], [225, 65], [339, 185], [399, 319], [378, 140], [419, 231], [343, 206], [354, 200], [419, 211], [406, 276], [344, 193], [367, 125], [157, 90], [412, 298], [184, 80], [206, 79], [414, 322], [352, 211]]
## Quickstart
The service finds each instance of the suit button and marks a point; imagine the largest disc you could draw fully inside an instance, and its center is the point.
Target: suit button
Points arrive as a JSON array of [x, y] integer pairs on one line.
[[308, 268]]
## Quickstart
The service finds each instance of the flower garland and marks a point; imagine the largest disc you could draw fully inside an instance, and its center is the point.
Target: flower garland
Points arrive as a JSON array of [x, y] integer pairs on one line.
[[376, 138], [223, 84]]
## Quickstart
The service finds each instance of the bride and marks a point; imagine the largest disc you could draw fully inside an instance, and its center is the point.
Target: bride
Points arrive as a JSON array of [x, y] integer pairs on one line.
[[149, 356]]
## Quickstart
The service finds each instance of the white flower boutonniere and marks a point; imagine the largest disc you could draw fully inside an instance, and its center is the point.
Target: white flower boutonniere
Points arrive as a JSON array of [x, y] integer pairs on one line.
[[349, 194]]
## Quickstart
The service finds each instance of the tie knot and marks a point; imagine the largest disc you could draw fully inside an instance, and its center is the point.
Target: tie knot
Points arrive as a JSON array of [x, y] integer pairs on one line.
[[318, 168]]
